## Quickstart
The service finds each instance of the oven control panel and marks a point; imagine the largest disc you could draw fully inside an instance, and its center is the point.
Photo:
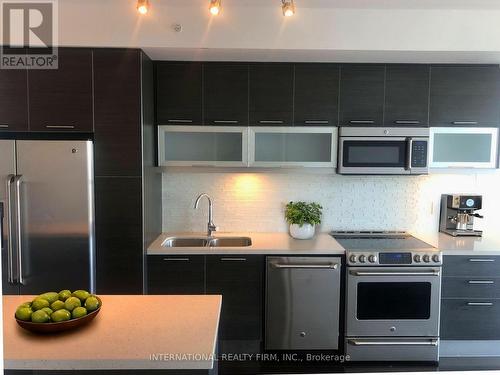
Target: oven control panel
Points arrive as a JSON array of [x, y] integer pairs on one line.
[[393, 258]]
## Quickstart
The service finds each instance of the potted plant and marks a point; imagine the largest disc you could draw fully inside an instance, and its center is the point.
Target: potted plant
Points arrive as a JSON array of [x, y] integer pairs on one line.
[[302, 218]]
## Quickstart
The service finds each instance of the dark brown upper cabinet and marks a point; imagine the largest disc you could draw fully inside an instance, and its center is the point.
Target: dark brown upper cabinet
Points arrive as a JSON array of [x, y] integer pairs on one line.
[[61, 99], [13, 100], [316, 95], [117, 102], [465, 95], [407, 95], [271, 94], [179, 93], [225, 94], [362, 95]]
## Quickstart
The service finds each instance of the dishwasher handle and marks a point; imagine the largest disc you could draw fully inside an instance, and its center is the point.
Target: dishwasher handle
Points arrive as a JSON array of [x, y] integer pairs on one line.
[[333, 266]]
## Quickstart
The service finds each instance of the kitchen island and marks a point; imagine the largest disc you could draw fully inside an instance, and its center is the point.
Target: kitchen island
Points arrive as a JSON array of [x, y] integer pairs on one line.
[[177, 334]]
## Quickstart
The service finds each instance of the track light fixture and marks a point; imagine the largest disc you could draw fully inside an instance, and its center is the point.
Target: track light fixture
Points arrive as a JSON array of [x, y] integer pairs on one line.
[[215, 7], [288, 8], [142, 6]]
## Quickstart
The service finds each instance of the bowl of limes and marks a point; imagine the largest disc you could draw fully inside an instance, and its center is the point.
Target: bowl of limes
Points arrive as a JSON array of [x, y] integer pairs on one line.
[[55, 312]]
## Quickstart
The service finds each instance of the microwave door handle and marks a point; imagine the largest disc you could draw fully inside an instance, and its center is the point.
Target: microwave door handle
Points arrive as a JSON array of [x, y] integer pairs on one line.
[[409, 153]]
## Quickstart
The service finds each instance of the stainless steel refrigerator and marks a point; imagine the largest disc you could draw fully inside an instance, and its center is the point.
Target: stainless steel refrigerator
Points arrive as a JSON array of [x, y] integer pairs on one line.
[[46, 191]]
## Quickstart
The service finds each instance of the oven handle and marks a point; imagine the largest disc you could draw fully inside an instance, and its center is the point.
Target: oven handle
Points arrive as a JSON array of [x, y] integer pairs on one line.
[[395, 273], [356, 342]]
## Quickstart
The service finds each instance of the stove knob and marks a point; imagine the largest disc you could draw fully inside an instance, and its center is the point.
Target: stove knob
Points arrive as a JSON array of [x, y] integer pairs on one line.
[[416, 258], [372, 258], [436, 258], [362, 258], [426, 258], [352, 258]]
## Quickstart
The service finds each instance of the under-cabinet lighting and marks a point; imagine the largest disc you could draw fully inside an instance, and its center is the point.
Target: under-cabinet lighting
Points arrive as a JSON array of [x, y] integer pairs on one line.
[[215, 7], [142, 6], [288, 8]]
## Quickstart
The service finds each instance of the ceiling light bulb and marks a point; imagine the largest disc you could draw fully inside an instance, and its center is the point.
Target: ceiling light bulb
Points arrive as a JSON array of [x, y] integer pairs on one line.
[[142, 6], [288, 8], [215, 7]]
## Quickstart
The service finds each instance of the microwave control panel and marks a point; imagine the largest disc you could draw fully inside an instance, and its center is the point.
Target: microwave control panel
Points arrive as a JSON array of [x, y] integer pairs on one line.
[[419, 154]]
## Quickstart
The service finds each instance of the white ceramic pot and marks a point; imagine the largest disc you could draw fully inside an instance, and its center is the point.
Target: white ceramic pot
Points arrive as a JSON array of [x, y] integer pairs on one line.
[[303, 232]]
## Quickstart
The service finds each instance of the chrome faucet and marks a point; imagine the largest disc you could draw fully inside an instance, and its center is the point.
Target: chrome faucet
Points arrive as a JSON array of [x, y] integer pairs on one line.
[[211, 226]]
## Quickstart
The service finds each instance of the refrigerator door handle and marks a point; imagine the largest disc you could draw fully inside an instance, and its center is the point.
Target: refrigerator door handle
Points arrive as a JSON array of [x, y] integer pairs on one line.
[[17, 182], [10, 230]]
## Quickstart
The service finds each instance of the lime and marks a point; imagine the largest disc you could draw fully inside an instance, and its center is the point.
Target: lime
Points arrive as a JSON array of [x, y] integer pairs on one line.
[[50, 296], [48, 310], [91, 303], [40, 316], [64, 294], [71, 303], [81, 294], [57, 305], [39, 303], [23, 313], [78, 312], [60, 315], [25, 304]]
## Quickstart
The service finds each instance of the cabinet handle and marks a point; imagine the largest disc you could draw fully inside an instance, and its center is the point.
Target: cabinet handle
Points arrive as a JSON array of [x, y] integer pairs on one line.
[[356, 342], [407, 122], [60, 126], [316, 122], [183, 121], [233, 259], [479, 260], [464, 122], [361, 122], [479, 303], [481, 282], [225, 121], [4, 126], [176, 259], [271, 121]]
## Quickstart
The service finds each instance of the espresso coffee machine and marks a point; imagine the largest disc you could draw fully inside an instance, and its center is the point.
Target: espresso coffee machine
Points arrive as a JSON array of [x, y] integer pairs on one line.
[[458, 213]]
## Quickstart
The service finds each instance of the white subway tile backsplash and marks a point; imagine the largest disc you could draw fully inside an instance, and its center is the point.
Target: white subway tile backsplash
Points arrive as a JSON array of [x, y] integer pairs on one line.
[[255, 201]]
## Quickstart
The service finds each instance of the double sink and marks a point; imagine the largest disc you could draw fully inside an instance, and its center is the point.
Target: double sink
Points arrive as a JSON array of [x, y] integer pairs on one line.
[[207, 242]]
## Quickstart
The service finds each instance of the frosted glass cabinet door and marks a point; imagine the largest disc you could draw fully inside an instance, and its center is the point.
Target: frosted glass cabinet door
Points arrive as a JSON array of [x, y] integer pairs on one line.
[[202, 146], [464, 147], [292, 146]]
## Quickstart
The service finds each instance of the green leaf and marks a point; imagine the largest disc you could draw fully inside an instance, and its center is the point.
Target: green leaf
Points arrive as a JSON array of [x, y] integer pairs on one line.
[[303, 213]]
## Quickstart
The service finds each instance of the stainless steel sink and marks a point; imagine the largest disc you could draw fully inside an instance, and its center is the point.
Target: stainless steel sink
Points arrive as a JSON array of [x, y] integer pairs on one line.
[[231, 242], [207, 242], [185, 242]]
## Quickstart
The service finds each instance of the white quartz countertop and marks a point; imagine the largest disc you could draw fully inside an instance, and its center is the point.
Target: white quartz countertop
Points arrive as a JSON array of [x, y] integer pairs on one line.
[[487, 245], [262, 243], [130, 332]]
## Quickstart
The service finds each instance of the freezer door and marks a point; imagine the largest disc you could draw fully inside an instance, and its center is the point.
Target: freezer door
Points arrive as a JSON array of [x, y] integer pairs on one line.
[[55, 196], [7, 171]]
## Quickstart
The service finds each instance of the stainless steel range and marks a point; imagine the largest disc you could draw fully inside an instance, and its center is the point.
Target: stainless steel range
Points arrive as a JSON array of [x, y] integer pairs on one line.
[[393, 297]]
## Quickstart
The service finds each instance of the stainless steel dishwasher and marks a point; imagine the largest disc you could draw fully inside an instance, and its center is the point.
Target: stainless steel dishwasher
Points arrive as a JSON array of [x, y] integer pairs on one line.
[[302, 303]]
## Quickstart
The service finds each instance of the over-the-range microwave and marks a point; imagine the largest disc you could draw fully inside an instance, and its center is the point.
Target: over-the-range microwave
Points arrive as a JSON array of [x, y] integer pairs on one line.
[[400, 151]]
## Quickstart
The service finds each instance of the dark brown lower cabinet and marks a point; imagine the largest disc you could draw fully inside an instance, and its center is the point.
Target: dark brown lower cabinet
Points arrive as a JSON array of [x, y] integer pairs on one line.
[[176, 274], [240, 280], [470, 304], [470, 319], [118, 223]]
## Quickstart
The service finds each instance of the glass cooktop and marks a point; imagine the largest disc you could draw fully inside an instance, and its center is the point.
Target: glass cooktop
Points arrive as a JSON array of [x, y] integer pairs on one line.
[[379, 241]]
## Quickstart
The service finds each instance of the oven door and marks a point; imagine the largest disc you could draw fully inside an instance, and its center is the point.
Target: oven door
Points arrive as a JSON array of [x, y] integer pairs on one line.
[[393, 301], [374, 155]]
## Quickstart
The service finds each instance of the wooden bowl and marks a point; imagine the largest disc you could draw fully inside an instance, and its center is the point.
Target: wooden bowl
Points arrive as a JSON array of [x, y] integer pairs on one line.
[[60, 326]]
